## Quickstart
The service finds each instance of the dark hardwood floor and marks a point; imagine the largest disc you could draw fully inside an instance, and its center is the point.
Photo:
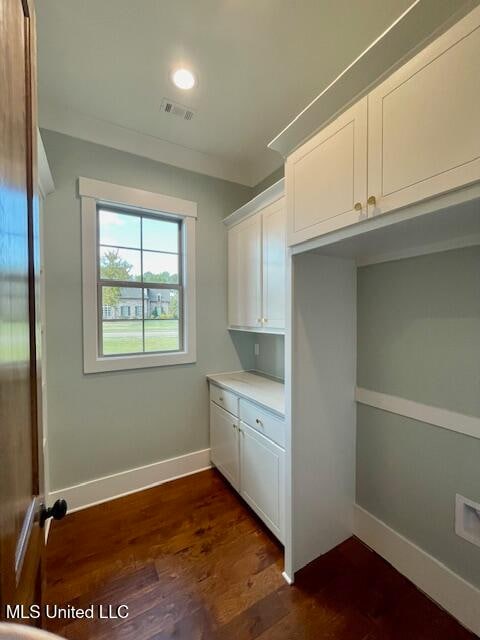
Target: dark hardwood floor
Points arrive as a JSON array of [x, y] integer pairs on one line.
[[192, 562]]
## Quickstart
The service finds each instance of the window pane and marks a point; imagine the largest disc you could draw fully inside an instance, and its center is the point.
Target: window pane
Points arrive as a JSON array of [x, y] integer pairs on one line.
[[119, 264], [161, 304], [119, 229], [122, 337], [160, 267], [162, 335], [160, 235], [122, 320], [121, 303]]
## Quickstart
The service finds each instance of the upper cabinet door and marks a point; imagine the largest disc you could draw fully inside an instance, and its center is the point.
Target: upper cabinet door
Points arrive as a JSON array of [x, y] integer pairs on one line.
[[424, 130], [326, 178], [244, 273], [274, 258]]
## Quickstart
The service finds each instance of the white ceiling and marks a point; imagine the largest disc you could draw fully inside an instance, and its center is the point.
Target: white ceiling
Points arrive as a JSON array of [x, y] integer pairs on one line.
[[104, 68]]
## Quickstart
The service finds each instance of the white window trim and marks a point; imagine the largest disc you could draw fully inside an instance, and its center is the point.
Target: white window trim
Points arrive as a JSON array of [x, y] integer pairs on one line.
[[92, 193]]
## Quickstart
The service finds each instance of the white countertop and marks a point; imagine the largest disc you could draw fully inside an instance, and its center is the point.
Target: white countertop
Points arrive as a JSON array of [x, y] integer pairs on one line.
[[253, 386]]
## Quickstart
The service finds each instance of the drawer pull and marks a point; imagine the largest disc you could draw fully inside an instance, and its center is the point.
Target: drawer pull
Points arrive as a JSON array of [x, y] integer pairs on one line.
[[259, 422]]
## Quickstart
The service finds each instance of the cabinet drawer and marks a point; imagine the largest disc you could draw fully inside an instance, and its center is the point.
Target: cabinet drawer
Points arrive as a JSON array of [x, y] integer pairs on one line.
[[224, 399], [263, 421]]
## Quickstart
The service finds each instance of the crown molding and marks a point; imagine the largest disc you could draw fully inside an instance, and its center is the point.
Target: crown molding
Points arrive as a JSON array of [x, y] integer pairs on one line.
[[78, 125], [273, 193]]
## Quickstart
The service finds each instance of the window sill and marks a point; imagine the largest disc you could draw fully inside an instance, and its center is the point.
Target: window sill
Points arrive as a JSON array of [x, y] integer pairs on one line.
[[124, 363]]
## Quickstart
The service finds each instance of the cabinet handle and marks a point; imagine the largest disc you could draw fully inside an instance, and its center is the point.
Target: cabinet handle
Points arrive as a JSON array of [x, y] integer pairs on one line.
[[220, 399], [358, 206], [265, 320], [259, 422], [234, 426], [372, 201]]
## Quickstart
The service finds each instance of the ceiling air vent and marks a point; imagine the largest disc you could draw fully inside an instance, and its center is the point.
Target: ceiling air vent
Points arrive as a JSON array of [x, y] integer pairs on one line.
[[175, 109]]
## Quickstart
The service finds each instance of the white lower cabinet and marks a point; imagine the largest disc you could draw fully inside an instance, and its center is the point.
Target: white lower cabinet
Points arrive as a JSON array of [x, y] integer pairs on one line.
[[262, 477], [224, 444], [248, 457]]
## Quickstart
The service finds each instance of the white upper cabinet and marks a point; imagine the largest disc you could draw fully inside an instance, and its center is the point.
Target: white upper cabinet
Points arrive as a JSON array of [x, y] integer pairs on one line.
[[424, 122], [256, 264], [326, 178], [422, 139], [244, 273], [274, 244]]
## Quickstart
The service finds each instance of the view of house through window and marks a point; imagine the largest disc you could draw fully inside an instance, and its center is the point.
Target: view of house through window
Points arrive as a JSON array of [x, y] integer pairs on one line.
[[139, 283]]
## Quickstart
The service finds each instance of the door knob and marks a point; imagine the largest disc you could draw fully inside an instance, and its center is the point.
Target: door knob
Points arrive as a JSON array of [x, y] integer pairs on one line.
[[372, 201], [57, 511], [358, 206]]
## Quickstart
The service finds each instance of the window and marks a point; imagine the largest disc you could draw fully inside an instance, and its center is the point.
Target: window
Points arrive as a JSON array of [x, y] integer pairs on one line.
[[107, 311], [139, 258], [138, 278]]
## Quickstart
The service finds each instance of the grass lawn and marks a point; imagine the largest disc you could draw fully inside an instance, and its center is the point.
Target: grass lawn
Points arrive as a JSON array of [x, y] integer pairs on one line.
[[126, 336]]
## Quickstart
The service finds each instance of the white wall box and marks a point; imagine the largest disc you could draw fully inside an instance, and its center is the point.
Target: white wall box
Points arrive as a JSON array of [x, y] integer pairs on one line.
[[423, 141], [256, 263], [246, 452]]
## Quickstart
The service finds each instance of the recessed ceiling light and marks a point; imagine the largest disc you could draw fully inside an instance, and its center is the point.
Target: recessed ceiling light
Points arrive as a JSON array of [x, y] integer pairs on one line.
[[183, 79]]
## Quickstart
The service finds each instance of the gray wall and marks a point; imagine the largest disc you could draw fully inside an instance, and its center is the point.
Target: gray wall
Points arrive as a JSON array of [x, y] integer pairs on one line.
[[269, 180], [271, 357], [419, 338], [109, 422]]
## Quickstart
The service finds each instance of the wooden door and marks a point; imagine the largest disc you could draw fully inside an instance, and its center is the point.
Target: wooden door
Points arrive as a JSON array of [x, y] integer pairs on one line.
[[21, 472], [262, 477], [326, 178], [244, 273], [424, 133], [224, 444], [274, 241]]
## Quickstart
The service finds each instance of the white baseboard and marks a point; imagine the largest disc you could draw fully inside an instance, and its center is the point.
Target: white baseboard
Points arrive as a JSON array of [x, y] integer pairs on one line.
[[457, 596], [47, 530], [120, 484], [287, 578]]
